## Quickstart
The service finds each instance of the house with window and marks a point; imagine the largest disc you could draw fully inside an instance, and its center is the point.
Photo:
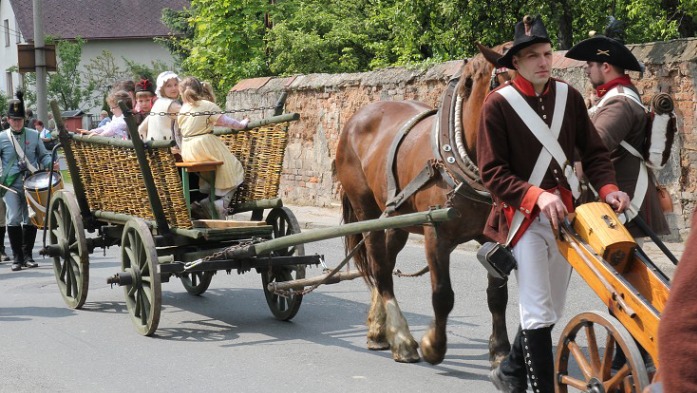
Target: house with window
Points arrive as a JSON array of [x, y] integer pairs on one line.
[[125, 28]]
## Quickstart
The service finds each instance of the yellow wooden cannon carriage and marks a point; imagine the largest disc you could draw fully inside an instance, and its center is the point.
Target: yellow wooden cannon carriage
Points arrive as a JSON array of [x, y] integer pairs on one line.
[[635, 291]]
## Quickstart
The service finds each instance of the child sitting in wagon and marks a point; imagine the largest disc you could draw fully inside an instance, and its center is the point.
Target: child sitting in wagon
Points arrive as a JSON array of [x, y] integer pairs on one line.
[[163, 127], [117, 128], [196, 120]]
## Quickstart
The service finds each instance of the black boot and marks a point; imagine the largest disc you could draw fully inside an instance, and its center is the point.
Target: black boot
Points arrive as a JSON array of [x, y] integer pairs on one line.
[[29, 237], [537, 344], [3, 255], [15, 235], [510, 376]]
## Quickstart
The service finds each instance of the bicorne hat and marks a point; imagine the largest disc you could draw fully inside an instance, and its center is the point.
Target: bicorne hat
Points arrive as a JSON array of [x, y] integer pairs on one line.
[[528, 32], [604, 49], [15, 107]]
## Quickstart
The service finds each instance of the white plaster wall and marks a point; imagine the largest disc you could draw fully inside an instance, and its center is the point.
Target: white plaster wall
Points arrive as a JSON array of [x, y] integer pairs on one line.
[[8, 54], [142, 51]]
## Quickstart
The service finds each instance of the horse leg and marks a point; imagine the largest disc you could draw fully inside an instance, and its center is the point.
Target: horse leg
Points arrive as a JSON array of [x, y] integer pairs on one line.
[[402, 344], [377, 339], [433, 343], [497, 299]]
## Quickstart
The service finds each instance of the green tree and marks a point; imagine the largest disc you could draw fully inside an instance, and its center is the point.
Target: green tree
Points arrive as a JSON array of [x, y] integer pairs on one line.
[[66, 85], [224, 41]]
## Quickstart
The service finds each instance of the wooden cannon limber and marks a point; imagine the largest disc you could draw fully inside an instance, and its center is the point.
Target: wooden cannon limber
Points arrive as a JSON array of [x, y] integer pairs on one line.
[[635, 290], [130, 194]]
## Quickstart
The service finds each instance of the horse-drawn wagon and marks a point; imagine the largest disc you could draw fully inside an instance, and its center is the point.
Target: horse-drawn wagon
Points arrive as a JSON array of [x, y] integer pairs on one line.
[[129, 193]]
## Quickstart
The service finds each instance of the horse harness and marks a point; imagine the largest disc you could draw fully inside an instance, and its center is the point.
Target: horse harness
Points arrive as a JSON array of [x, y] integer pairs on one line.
[[452, 163]]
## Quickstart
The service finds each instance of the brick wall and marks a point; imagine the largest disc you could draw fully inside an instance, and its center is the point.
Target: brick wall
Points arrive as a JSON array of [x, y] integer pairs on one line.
[[326, 101]]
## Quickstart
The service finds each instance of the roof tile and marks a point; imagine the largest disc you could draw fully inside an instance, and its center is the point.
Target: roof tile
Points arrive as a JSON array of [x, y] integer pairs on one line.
[[97, 19]]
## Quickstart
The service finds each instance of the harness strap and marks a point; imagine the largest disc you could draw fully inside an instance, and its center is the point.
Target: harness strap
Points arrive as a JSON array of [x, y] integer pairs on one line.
[[414, 185], [399, 137]]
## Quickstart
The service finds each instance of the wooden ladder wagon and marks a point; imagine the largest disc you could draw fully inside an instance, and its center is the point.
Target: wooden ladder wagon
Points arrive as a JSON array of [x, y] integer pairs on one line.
[[130, 194], [635, 290]]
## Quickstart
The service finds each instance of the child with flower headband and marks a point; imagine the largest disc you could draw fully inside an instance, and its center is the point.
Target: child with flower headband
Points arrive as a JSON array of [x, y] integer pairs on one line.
[[196, 120]]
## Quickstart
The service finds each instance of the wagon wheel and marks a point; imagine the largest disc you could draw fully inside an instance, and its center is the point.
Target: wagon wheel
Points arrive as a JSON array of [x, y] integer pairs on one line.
[[284, 223], [67, 234], [139, 260], [594, 364], [196, 283]]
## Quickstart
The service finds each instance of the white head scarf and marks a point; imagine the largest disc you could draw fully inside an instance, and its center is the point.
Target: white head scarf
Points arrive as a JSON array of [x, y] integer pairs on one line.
[[162, 79]]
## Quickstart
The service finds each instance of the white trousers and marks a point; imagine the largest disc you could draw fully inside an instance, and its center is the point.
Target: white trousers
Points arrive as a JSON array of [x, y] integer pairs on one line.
[[543, 276]]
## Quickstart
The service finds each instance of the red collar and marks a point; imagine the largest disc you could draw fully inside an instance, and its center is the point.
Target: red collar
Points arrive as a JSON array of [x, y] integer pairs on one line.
[[525, 87], [623, 80]]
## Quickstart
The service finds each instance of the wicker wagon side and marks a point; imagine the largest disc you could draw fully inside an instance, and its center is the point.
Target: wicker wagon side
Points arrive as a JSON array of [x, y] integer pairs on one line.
[[261, 151], [114, 182]]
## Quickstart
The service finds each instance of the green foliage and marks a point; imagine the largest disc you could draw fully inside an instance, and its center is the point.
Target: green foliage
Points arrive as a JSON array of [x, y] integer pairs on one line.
[[66, 85], [223, 41], [103, 72], [3, 101]]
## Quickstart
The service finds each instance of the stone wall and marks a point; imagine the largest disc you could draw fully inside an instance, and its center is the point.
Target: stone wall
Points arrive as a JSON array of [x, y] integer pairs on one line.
[[326, 101]]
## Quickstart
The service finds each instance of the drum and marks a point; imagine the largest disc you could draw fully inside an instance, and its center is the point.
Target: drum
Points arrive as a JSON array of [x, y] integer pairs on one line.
[[36, 190]]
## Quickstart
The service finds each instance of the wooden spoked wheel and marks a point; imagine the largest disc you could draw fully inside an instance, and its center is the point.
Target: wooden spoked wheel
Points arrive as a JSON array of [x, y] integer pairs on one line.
[[589, 370], [283, 308], [196, 283], [139, 260], [67, 235]]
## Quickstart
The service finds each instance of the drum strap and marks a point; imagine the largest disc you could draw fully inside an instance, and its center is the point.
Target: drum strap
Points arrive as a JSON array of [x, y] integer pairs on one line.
[[20, 153]]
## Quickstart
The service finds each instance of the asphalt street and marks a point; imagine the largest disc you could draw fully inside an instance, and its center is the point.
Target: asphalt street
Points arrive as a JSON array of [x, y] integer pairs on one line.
[[226, 339]]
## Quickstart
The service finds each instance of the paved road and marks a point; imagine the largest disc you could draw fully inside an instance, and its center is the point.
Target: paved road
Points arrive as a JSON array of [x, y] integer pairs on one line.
[[226, 340]]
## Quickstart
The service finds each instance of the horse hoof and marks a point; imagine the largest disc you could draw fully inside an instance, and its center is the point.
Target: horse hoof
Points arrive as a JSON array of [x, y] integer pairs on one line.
[[411, 358], [430, 353], [407, 352], [381, 345]]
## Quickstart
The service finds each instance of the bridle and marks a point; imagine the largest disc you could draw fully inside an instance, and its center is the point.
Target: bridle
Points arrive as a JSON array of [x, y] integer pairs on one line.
[[494, 83]]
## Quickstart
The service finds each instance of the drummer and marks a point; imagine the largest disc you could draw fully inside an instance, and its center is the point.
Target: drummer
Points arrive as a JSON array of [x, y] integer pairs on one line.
[[21, 152]]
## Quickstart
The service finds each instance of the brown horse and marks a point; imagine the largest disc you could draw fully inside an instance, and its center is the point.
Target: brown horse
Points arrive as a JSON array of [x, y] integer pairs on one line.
[[361, 165]]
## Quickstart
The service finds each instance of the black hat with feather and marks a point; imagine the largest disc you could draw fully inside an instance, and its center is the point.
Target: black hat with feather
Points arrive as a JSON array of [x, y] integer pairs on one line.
[[15, 107]]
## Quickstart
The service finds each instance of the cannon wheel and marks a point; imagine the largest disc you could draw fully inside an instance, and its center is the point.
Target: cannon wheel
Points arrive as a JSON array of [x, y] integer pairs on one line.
[[284, 223], [139, 259], [595, 366], [196, 283], [71, 265]]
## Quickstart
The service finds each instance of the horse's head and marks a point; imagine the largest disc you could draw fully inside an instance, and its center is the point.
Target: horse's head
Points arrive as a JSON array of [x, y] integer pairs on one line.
[[479, 77]]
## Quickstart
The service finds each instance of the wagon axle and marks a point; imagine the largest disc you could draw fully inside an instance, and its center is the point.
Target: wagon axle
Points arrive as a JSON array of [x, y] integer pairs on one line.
[[120, 279]]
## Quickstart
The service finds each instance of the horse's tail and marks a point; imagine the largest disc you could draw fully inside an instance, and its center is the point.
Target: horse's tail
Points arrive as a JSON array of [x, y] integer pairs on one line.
[[360, 257]]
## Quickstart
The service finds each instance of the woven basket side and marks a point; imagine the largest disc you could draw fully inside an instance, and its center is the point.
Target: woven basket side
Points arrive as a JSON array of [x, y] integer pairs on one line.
[[114, 182], [261, 152]]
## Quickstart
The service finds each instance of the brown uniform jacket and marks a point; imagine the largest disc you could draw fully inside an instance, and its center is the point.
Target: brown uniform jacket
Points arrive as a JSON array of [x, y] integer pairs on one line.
[[677, 331], [507, 151], [618, 119]]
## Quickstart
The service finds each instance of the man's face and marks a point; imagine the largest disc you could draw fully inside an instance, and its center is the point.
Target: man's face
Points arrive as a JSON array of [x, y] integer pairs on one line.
[[16, 123], [534, 63], [594, 72]]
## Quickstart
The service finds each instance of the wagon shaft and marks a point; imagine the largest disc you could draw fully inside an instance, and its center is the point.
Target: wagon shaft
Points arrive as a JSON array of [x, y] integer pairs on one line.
[[379, 224]]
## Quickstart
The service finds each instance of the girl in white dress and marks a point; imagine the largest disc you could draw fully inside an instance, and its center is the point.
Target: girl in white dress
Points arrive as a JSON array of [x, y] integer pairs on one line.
[[199, 143], [162, 123]]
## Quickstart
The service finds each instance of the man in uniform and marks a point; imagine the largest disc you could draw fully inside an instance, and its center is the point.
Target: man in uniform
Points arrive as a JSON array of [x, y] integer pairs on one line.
[[21, 152], [620, 119], [522, 123]]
